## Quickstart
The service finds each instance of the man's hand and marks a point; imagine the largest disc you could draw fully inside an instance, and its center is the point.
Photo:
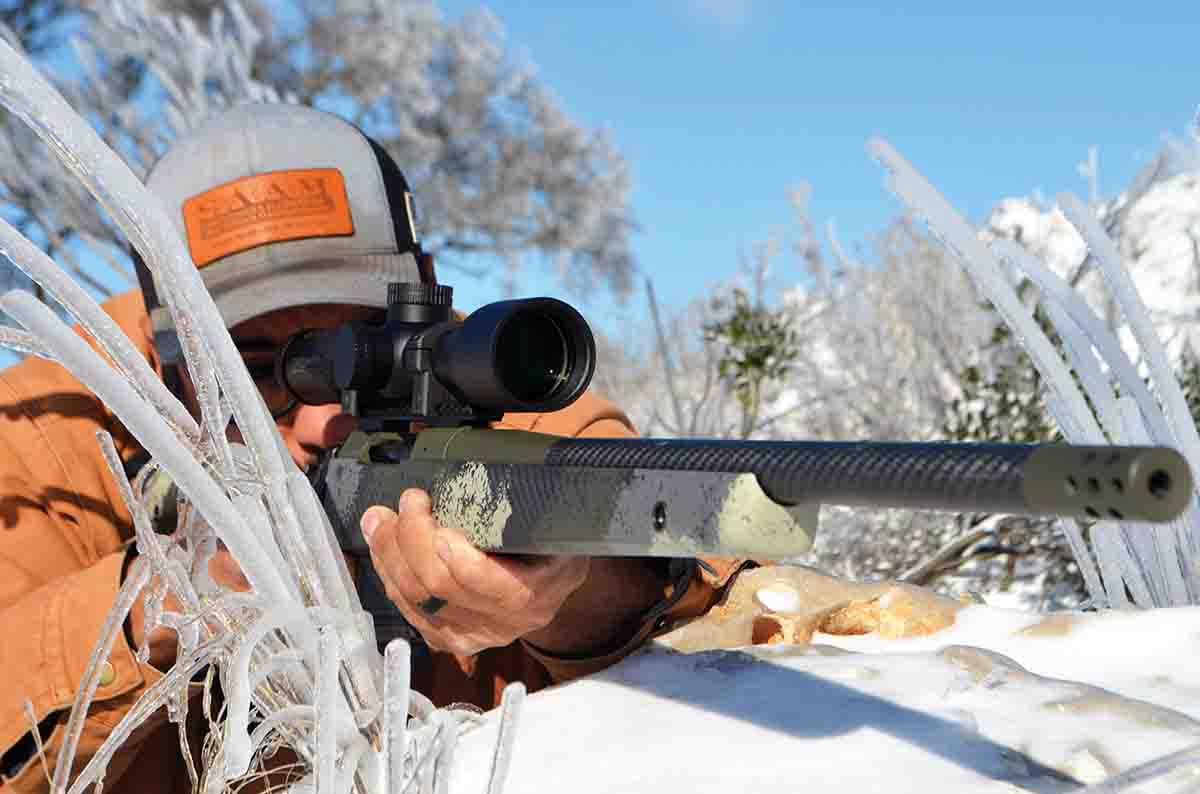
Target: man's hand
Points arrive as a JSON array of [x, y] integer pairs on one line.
[[461, 599]]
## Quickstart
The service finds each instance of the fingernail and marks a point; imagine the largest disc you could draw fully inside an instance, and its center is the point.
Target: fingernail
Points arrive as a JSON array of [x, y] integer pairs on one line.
[[442, 546], [370, 521]]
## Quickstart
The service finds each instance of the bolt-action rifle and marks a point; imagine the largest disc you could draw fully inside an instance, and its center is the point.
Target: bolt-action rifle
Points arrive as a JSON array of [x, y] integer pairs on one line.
[[426, 385]]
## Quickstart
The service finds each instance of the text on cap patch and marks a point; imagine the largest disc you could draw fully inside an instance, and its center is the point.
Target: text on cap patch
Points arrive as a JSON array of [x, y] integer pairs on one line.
[[266, 208]]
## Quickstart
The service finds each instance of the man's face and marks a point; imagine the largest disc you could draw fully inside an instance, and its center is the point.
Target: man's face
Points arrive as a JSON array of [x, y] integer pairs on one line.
[[306, 429]]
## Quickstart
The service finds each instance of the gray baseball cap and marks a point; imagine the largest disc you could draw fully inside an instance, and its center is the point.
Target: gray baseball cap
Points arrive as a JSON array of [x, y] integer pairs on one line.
[[280, 206]]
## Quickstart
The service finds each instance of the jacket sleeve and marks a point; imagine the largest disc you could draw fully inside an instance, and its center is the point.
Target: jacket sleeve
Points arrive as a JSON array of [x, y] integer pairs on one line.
[[61, 557], [691, 590]]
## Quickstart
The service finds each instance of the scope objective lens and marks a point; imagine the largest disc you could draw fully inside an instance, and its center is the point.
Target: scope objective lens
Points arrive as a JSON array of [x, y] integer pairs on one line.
[[533, 356]]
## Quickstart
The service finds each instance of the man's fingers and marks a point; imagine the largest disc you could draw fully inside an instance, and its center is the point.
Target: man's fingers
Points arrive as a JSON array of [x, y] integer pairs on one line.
[[446, 565], [546, 573], [427, 561], [405, 550], [455, 628], [483, 577], [493, 582]]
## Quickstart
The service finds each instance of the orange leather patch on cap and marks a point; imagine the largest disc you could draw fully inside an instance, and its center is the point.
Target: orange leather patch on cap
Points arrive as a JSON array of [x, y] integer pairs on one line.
[[266, 208]]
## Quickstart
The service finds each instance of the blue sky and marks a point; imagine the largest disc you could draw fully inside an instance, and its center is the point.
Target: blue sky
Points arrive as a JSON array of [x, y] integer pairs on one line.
[[723, 106]]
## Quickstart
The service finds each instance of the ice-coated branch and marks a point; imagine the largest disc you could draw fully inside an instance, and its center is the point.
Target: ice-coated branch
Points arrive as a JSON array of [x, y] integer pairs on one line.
[[203, 335], [1078, 423], [510, 705], [1121, 370], [1150, 563], [396, 671], [1134, 310], [152, 432], [91, 675], [23, 342], [39, 267]]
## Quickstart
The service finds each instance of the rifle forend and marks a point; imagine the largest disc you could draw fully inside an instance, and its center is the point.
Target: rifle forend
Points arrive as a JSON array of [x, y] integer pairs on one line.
[[523, 492]]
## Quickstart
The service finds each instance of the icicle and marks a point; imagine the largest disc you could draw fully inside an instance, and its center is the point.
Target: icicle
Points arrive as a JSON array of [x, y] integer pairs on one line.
[[426, 743], [260, 523], [208, 395], [91, 675], [237, 740], [289, 715], [1134, 311], [273, 665], [1115, 546], [23, 342], [510, 706], [150, 701], [445, 757], [353, 756], [148, 543], [152, 608], [397, 658], [318, 535], [1083, 362], [328, 660], [1085, 561], [1109, 547]]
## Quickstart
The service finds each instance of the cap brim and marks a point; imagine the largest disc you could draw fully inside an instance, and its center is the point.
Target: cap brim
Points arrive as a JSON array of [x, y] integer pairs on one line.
[[242, 294]]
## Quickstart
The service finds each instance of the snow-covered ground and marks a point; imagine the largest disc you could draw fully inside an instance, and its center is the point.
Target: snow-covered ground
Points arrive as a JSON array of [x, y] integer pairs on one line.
[[997, 701]]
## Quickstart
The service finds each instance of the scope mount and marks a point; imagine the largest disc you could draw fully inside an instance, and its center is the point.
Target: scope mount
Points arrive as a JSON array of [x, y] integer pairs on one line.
[[417, 313]]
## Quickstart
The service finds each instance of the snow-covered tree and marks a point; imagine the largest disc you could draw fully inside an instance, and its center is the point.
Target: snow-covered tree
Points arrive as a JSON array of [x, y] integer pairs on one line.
[[500, 171]]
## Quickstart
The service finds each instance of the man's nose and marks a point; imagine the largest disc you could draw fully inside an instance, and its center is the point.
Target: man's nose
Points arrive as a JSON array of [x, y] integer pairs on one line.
[[322, 426]]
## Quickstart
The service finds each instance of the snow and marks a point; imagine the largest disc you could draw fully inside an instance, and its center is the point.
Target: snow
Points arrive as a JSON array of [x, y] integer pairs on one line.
[[1158, 236], [1000, 701]]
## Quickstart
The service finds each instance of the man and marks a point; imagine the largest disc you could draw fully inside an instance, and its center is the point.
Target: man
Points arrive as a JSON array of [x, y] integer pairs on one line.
[[296, 221]]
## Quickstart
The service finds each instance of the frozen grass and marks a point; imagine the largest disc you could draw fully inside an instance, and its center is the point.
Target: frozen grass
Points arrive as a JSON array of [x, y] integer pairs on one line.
[[1156, 564], [296, 654]]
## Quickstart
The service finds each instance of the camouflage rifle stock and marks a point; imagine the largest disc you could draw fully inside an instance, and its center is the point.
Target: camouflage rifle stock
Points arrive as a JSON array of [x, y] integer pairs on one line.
[[529, 493]]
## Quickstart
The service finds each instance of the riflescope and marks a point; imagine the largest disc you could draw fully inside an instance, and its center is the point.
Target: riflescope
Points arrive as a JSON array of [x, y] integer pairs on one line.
[[420, 363]]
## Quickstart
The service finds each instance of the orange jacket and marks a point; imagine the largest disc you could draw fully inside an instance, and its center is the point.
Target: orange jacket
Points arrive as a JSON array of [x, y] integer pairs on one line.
[[64, 531]]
